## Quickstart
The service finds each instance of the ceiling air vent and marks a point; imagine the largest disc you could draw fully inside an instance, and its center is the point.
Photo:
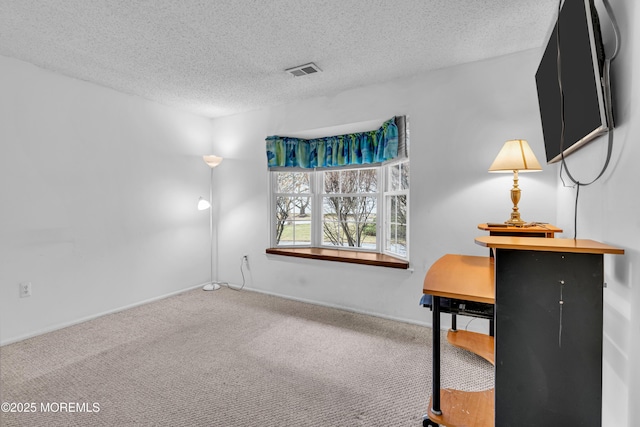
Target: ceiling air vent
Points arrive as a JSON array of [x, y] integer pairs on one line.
[[303, 70]]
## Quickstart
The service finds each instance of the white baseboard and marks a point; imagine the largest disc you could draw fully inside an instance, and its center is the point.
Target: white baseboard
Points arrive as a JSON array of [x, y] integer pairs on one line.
[[340, 307], [444, 325], [95, 316]]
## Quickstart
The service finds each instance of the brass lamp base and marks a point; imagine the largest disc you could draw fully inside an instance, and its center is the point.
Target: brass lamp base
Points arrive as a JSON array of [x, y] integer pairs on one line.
[[515, 219]]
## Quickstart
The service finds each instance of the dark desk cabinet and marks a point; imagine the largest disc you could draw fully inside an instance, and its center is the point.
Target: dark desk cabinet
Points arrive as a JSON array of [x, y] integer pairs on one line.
[[547, 351], [549, 338]]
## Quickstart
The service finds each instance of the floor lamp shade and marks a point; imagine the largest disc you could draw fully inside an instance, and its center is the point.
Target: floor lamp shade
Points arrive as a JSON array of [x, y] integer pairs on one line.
[[515, 156], [203, 204], [211, 160]]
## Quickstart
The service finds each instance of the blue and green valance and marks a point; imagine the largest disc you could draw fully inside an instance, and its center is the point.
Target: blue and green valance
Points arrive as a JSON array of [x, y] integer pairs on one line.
[[360, 148]]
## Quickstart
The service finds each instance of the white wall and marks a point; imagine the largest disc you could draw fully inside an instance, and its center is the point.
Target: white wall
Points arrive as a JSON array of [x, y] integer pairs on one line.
[[98, 195], [459, 119], [609, 211]]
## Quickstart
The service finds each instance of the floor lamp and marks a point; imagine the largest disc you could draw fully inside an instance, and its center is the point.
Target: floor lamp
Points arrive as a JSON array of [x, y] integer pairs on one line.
[[211, 161]]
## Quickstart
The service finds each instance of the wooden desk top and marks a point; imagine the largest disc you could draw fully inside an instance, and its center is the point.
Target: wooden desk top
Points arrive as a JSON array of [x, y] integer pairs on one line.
[[462, 277], [503, 229], [548, 245], [537, 227]]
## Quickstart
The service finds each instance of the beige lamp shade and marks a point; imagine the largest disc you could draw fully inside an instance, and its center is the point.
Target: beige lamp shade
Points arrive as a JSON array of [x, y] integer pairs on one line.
[[515, 155], [212, 161]]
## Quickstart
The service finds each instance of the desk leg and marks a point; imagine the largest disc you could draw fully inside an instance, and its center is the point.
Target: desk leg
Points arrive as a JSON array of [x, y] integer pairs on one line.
[[435, 398]]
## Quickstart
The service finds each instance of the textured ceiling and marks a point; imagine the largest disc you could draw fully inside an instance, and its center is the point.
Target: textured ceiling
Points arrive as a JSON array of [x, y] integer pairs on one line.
[[220, 57]]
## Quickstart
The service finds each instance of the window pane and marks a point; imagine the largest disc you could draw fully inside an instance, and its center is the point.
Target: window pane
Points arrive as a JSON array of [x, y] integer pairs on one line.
[[391, 236], [350, 221], [302, 233], [283, 212], [295, 233], [393, 209], [332, 233], [302, 208], [292, 182], [283, 208], [366, 209], [349, 181], [401, 202], [368, 181], [358, 209], [343, 233], [293, 220], [397, 209], [369, 234], [394, 177], [405, 175], [397, 240], [402, 235], [332, 182], [330, 208], [398, 177]]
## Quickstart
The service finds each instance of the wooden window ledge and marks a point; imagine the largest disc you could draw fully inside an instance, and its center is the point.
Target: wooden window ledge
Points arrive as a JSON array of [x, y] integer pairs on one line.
[[342, 255]]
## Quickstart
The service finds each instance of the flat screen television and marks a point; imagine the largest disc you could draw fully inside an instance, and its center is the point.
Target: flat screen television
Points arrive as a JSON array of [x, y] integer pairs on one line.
[[584, 106]]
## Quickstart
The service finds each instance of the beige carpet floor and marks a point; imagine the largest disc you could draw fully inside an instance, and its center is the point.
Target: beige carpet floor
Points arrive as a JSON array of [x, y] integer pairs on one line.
[[230, 358]]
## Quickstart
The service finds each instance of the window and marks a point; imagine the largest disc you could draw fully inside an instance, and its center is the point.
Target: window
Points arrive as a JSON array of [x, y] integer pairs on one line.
[[396, 197], [349, 208], [363, 209], [293, 208]]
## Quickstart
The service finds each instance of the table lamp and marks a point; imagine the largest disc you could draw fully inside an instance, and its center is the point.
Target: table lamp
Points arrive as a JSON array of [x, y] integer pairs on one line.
[[516, 156]]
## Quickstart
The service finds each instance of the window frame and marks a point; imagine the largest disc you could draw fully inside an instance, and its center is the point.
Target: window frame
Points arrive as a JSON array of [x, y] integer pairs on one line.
[[274, 194], [317, 195], [387, 192], [322, 195]]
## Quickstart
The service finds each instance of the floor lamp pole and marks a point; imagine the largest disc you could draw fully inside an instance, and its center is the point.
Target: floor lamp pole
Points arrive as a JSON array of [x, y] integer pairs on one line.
[[212, 162], [213, 283]]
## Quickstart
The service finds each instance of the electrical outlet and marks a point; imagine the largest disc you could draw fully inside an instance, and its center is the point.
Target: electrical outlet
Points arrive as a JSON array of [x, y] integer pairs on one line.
[[25, 289], [245, 259]]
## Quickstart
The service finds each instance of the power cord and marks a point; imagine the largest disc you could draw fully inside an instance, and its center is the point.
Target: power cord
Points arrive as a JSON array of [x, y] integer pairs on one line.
[[242, 260], [608, 105], [466, 327], [228, 285]]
